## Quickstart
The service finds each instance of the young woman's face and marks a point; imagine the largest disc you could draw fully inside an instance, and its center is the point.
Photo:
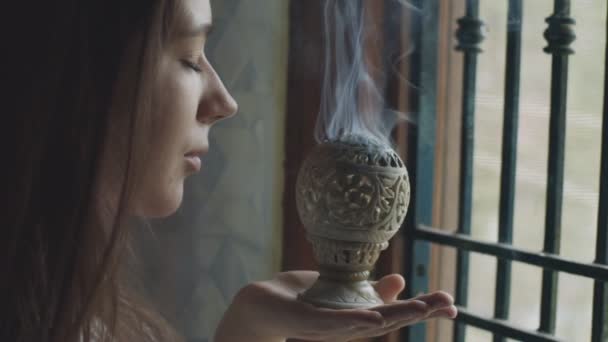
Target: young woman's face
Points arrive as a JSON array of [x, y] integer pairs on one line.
[[189, 98]]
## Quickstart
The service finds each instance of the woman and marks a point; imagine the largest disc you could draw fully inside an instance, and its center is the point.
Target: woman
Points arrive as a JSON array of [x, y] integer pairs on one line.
[[107, 108]]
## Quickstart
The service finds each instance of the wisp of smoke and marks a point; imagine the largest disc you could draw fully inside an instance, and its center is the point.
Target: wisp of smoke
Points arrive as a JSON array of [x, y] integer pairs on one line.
[[352, 99]]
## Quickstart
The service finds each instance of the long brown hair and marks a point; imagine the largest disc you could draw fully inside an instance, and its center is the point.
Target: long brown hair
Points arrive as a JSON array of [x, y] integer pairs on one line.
[[60, 257]]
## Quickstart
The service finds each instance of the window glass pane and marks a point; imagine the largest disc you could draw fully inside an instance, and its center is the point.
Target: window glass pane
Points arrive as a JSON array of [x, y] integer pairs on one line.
[[532, 149], [477, 335], [583, 139], [525, 296], [488, 108], [574, 303], [482, 277]]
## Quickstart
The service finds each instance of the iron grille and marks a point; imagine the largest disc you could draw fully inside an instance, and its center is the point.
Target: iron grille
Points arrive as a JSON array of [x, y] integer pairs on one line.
[[559, 35]]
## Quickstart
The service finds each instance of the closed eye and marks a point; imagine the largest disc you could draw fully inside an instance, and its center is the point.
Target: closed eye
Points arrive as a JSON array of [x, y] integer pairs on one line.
[[191, 65]]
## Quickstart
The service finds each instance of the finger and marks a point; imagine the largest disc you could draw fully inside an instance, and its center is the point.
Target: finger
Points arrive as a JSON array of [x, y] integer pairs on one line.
[[401, 310], [389, 287], [436, 300], [449, 312], [415, 308], [446, 312]]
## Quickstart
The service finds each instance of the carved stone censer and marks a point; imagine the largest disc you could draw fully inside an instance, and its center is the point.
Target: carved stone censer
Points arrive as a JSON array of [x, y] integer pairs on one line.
[[352, 196]]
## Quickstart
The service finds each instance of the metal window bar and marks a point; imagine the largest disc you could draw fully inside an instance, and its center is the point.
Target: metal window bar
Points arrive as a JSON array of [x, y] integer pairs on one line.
[[499, 326], [509, 159], [599, 330], [469, 36], [559, 36], [550, 261]]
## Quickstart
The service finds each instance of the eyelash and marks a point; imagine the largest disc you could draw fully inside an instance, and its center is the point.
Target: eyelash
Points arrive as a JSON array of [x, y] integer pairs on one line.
[[195, 67]]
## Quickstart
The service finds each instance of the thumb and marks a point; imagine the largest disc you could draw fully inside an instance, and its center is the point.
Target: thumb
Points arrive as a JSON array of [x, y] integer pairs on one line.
[[389, 287]]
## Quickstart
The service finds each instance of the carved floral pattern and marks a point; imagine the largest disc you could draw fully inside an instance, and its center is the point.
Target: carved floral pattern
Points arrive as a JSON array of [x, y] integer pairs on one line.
[[354, 193]]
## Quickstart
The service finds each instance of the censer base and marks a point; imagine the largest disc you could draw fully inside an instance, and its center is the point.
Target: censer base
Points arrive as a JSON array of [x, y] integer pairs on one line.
[[342, 295]]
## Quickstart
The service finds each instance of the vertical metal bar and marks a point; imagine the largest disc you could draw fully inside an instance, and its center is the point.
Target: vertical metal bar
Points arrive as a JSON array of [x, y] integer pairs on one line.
[[509, 158], [425, 75], [599, 331], [469, 36], [559, 36]]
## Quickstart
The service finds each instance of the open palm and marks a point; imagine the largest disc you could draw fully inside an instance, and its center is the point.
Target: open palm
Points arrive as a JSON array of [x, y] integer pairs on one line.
[[271, 309]]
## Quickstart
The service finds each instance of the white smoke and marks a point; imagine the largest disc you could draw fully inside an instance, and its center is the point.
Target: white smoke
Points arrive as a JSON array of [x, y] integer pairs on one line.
[[352, 100]]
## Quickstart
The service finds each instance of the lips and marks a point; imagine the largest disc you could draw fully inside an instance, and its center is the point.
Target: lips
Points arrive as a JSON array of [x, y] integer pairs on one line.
[[194, 163], [193, 159]]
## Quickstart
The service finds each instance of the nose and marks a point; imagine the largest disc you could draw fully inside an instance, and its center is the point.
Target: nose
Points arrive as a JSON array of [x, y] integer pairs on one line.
[[216, 102]]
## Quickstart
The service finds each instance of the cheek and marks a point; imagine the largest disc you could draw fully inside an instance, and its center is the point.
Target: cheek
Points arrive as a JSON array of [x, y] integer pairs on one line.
[[177, 99], [174, 119], [175, 107]]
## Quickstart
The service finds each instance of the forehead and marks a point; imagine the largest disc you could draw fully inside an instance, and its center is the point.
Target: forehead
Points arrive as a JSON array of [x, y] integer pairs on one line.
[[195, 12]]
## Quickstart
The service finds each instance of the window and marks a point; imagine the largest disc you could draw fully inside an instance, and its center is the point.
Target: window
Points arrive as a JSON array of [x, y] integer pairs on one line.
[[530, 171]]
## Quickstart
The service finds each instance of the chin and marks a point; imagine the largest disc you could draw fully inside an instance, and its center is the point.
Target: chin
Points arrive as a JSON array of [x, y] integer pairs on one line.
[[162, 203]]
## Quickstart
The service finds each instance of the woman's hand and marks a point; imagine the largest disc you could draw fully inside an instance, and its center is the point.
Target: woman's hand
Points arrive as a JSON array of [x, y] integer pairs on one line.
[[269, 311]]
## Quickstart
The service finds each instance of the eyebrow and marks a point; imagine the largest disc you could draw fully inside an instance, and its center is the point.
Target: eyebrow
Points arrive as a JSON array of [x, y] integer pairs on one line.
[[202, 29]]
